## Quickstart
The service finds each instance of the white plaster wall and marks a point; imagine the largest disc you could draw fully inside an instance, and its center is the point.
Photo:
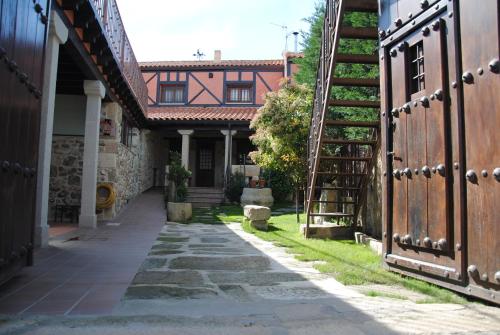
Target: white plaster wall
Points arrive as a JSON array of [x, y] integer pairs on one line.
[[69, 115]]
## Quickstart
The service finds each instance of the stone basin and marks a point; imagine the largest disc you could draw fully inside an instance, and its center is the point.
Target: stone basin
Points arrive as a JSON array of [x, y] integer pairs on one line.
[[257, 196]]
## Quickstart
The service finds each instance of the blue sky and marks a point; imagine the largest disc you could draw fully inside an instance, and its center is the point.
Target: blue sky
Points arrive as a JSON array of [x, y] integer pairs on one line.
[[242, 29]]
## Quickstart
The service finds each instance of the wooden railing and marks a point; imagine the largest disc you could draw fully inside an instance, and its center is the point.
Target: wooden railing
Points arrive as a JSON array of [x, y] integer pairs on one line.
[[110, 19], [338, 160], [322, 92]]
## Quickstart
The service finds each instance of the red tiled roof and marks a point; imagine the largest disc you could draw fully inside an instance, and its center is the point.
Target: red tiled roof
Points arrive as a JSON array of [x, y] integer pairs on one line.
[[294, 55], [201, 113], [210, 64]]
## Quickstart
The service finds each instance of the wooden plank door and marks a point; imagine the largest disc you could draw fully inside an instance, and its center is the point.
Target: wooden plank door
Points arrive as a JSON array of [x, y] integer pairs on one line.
[[23, 28], [421, 231], [481, 88]]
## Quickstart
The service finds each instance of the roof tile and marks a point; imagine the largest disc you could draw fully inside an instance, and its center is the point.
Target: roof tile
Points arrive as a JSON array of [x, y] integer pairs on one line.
[[210, 64], [201, 113]]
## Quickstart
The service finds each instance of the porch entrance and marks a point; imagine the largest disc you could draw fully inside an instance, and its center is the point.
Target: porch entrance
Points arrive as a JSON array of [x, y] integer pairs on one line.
[[205, 167]]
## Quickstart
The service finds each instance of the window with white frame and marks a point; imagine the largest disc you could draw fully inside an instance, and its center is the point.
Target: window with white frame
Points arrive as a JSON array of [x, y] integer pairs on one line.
[[172, 94], [239, 93]]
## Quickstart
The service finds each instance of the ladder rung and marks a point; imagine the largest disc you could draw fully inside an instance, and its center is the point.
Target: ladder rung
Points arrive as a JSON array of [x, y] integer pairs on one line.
[[357, 82], [339, 215], [348, 123], [364, 33], [370, 6], [334, 202], [357, 59], [342, 174], [337, 158], [332, 188], [347, 142], [354, 103]]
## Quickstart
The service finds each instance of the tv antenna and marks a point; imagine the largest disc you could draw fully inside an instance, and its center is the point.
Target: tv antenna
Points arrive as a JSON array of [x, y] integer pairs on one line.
[[287, 35], [199, 54]]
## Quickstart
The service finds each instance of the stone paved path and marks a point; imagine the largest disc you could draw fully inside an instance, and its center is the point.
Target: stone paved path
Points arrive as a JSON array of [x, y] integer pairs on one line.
[[217, 279], [222, 272]]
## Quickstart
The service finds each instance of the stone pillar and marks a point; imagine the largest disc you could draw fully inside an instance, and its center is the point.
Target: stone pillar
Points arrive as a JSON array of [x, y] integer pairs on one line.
[[58, 34], [227, 151], [94, 90], [185, 147]]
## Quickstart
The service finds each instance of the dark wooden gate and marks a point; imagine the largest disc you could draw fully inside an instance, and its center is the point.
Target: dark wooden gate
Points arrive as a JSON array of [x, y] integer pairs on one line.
[[440, 134], [22, 40], [479, 29]]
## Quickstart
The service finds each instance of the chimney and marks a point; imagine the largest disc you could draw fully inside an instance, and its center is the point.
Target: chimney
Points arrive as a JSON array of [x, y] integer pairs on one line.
[[217, 55]]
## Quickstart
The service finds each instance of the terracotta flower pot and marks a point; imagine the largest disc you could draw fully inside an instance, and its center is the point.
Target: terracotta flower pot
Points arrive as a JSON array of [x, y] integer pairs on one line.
[[262, 183], [253, 183]]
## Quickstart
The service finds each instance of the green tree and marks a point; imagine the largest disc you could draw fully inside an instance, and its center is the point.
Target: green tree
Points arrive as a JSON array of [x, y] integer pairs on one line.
[[178, 177], [308, 65], [281, 132]]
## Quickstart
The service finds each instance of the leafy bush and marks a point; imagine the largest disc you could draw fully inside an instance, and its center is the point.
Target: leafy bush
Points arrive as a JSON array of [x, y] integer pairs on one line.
[[235, 187], [178, 176], [280, 183], [181, 193]]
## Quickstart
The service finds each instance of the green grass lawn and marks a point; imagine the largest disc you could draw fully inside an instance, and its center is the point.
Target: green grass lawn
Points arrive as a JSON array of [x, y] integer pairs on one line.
[[348, 262]]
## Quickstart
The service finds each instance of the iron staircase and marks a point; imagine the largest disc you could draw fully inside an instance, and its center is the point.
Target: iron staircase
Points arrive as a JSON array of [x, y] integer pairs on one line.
[[343, 136]]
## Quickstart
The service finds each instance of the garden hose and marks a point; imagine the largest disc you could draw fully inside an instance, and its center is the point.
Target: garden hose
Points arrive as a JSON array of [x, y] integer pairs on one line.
[[105, 196]]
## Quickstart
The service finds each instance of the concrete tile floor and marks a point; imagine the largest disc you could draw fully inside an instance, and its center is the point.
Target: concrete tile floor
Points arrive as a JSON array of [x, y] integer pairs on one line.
[[58, 229], [90, 274]]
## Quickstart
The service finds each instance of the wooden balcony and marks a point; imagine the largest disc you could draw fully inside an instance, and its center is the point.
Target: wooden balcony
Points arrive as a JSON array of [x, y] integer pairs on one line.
[[99, 27]]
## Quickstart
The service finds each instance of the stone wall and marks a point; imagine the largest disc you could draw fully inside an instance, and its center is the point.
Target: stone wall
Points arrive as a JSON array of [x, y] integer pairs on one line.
[[65, 171], [130, 169], [372, 211]]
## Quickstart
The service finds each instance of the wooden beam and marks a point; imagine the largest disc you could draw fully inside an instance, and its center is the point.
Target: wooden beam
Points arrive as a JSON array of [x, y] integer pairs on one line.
[[362, 33], [354, 103], [356, 82], [348, 123], [357, 59]]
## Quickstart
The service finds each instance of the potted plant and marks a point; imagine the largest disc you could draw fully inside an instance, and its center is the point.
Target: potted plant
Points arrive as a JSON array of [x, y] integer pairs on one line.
[[178, 210], [262, 183]]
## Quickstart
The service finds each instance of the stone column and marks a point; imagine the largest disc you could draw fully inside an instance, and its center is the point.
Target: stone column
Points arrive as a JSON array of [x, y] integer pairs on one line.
[[185, 146], [58, 34], [227, 151], [94, 90]]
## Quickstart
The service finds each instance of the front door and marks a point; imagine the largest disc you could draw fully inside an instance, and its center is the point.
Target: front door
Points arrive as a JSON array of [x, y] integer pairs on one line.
[[206, 164]]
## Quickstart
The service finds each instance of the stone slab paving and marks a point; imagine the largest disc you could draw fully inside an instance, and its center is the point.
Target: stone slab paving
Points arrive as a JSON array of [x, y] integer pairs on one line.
[[242, 276], [244, 285]]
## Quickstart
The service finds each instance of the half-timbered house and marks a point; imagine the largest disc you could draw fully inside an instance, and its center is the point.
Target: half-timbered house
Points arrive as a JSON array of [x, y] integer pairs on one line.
[[203, 110]]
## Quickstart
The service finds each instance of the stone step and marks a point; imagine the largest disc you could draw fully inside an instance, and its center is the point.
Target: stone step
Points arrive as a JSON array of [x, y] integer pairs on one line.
[[205, 190], [204, 204], [206, 195], [205, 199]]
